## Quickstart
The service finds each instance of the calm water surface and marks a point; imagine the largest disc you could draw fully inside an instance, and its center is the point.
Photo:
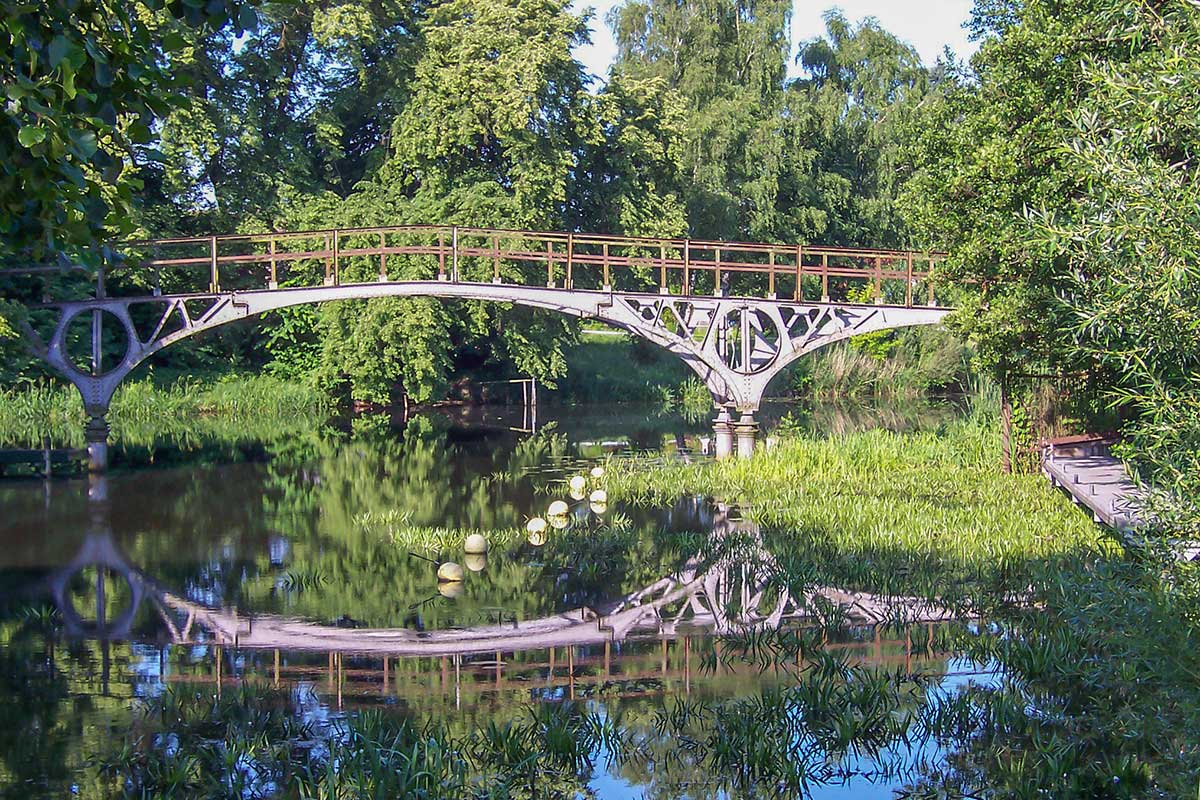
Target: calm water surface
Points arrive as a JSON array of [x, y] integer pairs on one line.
[[308, 564]]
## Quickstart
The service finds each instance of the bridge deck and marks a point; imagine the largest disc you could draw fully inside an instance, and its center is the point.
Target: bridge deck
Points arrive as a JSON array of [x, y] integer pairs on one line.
[[1087, 470]]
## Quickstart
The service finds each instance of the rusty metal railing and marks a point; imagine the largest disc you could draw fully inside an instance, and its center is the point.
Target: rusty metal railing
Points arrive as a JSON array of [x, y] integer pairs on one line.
[[568, 260]]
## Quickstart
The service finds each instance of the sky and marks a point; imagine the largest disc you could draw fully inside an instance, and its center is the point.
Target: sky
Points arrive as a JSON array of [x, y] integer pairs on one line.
[[929, 25]]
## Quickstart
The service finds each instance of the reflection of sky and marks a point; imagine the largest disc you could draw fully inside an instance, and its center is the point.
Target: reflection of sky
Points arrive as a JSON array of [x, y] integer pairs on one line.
[[148, 669], [866, 778]]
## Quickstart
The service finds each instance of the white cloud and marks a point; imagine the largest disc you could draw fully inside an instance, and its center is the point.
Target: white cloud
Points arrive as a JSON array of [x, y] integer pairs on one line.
[[929, 26]]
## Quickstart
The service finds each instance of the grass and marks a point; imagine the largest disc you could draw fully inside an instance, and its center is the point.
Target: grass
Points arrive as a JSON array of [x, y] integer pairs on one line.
[[1098, 648], [901, 364], [142, 410], [885, 511], [608, 369]]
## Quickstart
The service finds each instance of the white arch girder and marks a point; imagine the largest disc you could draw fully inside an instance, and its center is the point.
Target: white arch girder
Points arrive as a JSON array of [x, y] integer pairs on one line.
[[736, 345]]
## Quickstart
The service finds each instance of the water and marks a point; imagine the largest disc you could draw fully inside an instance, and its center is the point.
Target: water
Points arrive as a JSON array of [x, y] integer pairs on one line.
[[308, 566]]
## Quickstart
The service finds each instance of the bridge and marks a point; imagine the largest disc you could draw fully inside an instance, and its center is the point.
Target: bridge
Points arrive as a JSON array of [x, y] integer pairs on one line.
[[736, 313]]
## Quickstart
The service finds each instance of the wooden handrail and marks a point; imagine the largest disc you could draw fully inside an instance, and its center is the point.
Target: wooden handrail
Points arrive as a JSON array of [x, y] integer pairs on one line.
[[614, 256]]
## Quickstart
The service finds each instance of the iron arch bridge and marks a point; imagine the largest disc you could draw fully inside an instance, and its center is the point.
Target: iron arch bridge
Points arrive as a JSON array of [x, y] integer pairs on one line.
[[736, 313]]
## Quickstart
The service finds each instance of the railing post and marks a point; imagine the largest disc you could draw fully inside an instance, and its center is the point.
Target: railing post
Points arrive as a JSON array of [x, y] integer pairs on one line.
[[570, 259], [687, 266], [799, 293], [771, 275], [929, 284], [157, 277], [607, 279], [878, 280], [214, 282], [454, 254], [824, 277], [549, 263], [662, 269], [908, 280], [441, 276], [328, 265], [495, 258], [273, 283], [337, 246], [383, 276], [717, 272]]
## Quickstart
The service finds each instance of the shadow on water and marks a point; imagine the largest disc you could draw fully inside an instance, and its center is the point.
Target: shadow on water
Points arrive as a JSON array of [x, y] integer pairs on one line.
[[656, 652]]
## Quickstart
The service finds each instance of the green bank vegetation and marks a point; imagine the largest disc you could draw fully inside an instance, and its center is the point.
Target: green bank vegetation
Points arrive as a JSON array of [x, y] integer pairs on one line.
[[235, 407]]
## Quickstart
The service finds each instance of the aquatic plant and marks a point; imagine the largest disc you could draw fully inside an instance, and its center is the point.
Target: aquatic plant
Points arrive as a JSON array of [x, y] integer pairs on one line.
[[241, 407]]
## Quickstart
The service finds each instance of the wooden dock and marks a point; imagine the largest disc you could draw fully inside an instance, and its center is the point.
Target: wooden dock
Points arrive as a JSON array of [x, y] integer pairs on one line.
[[1085, 467], [42, 460]]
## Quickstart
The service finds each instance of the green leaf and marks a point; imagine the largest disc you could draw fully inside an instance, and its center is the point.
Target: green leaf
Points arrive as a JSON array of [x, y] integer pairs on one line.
[[60, 48], [30, 135]]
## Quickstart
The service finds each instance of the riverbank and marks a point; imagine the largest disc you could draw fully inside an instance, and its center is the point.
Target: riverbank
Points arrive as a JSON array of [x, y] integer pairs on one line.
[[1097, 648], [241, 406]]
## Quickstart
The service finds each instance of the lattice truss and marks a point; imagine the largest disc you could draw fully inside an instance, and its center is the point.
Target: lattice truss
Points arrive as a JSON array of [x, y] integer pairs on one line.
[[750, 338], [736, 345]]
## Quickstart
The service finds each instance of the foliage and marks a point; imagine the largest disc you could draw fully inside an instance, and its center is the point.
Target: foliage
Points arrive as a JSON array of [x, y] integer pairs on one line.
[[143, 412], [85, 83], [873, 509], [909, 363], [1062, 179], [616, 368]]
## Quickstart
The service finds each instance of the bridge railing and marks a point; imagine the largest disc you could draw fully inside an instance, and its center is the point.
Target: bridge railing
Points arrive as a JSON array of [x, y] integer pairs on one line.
[[574, 260]]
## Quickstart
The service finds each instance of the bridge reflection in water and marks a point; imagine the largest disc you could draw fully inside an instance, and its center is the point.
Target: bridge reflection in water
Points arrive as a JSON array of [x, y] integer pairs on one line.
[[656, 640]]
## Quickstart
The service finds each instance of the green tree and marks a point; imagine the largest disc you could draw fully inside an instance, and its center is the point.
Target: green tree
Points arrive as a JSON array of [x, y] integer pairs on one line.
[[84, 84], [727, 61], [299, 104], [1063, 181], [855, 102], [490, 136]]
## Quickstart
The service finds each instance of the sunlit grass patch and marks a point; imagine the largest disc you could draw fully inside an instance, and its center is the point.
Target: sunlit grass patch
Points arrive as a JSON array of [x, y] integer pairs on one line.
[[883, 510]]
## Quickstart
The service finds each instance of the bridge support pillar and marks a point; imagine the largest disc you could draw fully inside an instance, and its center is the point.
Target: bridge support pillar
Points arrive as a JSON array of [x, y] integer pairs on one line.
[[96, 435], [723, 434], [746, 429]]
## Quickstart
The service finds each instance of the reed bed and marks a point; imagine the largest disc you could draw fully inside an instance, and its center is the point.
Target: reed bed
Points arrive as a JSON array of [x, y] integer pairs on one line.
[[37, 411], [884, 511]]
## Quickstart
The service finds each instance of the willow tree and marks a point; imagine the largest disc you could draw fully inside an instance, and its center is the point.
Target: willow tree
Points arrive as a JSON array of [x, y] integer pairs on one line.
[[727, 61], [489, 135], [1062, 178], [854, 103]]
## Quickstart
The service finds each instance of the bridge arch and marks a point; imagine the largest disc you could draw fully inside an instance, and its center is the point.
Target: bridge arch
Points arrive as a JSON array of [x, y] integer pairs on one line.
[[735, 345]]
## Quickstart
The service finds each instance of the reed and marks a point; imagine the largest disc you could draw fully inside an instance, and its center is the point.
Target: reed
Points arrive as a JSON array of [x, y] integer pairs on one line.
[[883, 511], [32, 412]]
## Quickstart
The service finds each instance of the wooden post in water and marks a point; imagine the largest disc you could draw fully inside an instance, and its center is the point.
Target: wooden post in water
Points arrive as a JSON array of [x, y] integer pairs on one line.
[[1005, 424]]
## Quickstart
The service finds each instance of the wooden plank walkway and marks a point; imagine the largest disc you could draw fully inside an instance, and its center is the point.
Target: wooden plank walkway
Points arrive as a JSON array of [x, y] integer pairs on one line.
[[1087, 470], [41, 460]]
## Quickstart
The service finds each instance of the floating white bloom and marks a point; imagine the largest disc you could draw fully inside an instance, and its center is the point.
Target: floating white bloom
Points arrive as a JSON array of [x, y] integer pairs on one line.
[[475, 543], [599, 496], [476, 562], [558, 508], [449, 571], [597, 472], [577, 483]]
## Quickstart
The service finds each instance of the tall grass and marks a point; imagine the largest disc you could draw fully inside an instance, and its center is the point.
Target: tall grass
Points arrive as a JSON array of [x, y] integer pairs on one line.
[[33, 412], [907, 364], [926, 511]]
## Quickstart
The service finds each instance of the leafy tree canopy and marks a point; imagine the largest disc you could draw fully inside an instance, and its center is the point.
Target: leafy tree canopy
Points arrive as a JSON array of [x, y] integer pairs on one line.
[[84, 82]]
